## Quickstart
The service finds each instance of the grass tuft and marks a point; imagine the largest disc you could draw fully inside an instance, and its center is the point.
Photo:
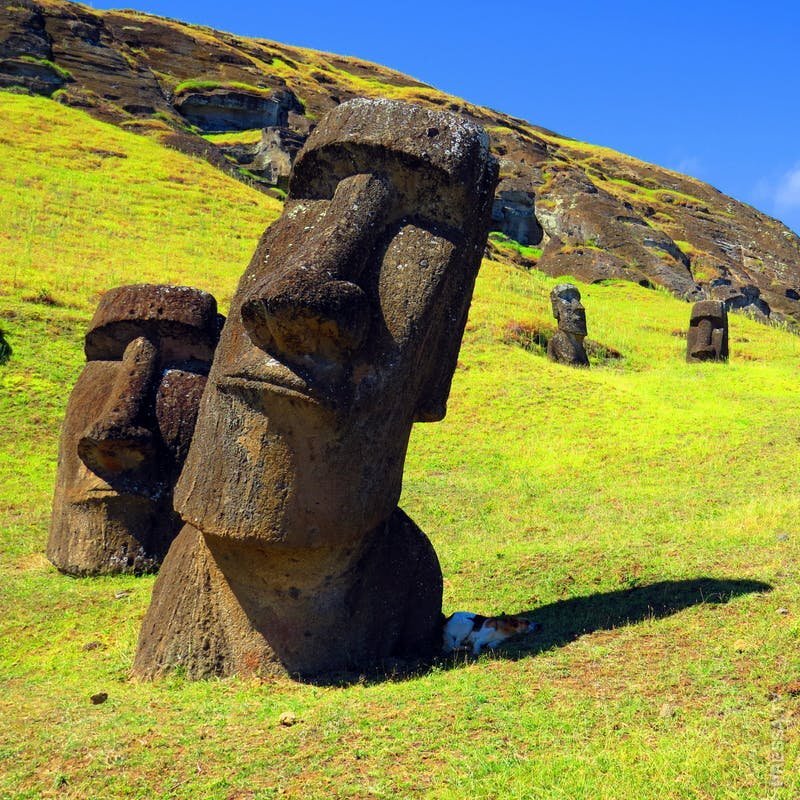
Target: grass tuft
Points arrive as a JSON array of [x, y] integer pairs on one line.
[[62, 73], [185, 87]]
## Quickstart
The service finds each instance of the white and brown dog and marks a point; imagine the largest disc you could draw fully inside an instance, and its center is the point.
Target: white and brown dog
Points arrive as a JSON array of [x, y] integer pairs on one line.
[[463, 629]]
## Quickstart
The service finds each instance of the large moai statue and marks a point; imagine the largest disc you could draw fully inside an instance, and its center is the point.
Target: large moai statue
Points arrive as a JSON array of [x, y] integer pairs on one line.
[[566, 346], [707, 339], [127, 428], [344, 331]]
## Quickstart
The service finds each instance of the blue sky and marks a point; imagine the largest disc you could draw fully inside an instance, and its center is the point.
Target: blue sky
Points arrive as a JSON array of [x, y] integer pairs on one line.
[[709, 88]]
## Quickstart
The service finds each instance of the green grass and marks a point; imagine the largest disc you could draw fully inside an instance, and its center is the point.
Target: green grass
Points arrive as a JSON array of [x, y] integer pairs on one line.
[[196, 85], [637, 509], [239, 137], [65, 74], [106, 207], [659, 195], [503, 241]]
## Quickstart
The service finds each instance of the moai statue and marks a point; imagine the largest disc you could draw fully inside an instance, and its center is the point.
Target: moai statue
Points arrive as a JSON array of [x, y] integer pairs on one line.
[[127, 429], [566, 346], [707, 339], [344, 331]]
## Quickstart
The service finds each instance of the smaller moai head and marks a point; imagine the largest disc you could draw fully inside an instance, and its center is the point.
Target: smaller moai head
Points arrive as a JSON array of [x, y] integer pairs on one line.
[[568, 310], [566, 345], [707, 339], [128, 427]]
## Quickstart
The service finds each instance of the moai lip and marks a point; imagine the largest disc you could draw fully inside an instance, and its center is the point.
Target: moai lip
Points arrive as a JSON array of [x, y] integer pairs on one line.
[[344, 331], [127, 428]]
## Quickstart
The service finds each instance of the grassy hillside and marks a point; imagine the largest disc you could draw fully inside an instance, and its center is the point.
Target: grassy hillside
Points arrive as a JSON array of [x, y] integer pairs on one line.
[[645, 511], [603, 214]]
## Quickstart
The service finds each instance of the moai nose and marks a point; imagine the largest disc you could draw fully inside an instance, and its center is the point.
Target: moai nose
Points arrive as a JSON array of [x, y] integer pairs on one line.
[[310, 304], [117, 443]]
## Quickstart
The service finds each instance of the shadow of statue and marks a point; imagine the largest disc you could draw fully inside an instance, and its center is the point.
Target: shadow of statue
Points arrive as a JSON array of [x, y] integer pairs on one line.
[[565, 621]]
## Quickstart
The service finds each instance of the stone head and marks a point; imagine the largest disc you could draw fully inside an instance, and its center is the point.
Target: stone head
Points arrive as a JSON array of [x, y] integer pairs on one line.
[[344, 330], [128, 426], [707, 339], [567, 309]]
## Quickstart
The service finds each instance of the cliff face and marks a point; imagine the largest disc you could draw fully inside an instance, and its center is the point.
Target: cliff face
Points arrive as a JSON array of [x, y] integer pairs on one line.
[[567, 207]]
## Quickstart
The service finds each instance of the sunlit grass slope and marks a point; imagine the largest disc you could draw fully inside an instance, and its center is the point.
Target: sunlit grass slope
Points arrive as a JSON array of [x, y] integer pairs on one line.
[[645, 511], [86, 206]]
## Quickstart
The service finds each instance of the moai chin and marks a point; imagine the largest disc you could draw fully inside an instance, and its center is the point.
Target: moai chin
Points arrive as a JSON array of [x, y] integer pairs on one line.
[[343, 332], [707, 339], [127, 428], [566, 346]]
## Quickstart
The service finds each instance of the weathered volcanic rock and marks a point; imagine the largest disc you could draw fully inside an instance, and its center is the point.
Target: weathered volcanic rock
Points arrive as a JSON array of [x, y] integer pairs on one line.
[[37, 78], [271, 157], [127, 429], [742, 298], [513, 214], [219, 110], [344, 331], [608, 240], [23, 32], [566, 345], [25, 52]]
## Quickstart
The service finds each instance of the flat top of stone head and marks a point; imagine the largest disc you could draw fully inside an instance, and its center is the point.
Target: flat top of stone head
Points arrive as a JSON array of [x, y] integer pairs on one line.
[[173, 311], [705, 309], [415, 137], [566, 292]]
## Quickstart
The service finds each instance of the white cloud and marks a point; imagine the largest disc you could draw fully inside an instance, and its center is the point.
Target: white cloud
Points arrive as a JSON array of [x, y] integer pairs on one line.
[[780, 196], [787, 191]]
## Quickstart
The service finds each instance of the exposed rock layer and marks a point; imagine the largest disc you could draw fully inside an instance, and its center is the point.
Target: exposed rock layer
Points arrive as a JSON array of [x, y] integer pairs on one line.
[[603, 214]]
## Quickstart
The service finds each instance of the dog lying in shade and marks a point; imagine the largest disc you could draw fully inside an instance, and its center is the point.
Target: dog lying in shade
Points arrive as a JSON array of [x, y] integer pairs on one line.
[[464, 629]]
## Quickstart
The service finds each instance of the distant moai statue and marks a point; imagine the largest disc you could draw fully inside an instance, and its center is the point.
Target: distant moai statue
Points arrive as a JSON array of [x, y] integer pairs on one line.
[[566, 346], [127, 428], [707, 339], [344, 332]]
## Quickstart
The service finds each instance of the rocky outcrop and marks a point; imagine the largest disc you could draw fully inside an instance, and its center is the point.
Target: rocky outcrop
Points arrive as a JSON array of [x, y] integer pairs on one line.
[[513, 214], [26, 53], [23, 32], [37, 77], [741, 298], [270, 158], [223, 109], [594, 236]]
